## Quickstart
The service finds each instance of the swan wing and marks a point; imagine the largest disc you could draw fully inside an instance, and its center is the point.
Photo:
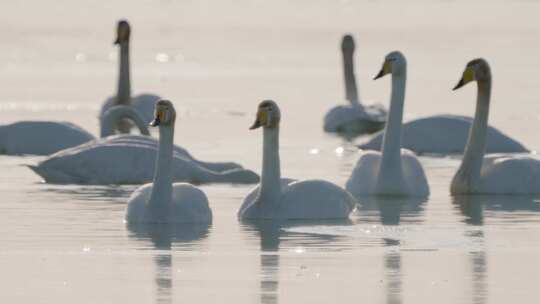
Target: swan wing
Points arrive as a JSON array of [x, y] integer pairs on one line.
[[40, 137], [510, 175], [413, 174], [189, 204], [364, 175], [253, 193], [315, 199]]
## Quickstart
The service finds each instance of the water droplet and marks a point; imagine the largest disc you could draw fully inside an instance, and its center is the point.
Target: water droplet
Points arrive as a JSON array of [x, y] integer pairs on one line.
[[314, 151], [80, 57], [339, 150]]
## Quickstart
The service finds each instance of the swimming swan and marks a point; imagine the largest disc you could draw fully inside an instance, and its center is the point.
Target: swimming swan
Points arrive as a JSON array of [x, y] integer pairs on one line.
[[144, 103], [394, 171], [445, 134], [355, 118], [282, 198], [48, 137], [129, 159], [163, 201], [492, 174]]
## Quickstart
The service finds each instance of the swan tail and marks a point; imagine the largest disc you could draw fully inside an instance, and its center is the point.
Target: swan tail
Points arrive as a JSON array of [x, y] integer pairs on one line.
[[53, 176], [219, 166]]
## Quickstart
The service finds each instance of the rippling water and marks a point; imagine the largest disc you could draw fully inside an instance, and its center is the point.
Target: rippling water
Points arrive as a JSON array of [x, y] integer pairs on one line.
[[216, 61]]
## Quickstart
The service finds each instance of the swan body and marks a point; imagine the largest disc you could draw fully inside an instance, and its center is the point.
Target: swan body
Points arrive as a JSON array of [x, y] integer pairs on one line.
[[445, 134], [40, 137], [282, 198], [144, 103], [394, 171], [48, 137], [494, 174], [354, 118], [163, 201]]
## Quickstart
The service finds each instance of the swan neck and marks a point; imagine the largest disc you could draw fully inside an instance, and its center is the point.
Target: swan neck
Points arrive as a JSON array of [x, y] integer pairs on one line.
[[391, 147], [351, 90], [114, 115], [473, 156], [162, 185], [270, 189], [124, 84]]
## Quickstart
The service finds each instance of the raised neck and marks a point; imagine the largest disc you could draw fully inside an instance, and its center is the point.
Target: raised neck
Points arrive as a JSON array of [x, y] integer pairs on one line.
[[124, 84], [160, 198], [115, 114], [270, 188], [473, 156], [351, 90], [390, 169]]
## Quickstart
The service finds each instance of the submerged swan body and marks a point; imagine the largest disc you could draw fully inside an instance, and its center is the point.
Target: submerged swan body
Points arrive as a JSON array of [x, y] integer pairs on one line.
[[494, 174], [445, 134], [144, 103], [394, 171], [281, 198], [163, 201], [48, 137], [354, 118]]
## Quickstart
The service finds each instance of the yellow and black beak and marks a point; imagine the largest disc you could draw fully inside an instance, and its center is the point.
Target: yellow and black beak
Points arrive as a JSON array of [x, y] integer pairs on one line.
[[117, 41], [157, 119], [467, 77], [261, 120], [386, 69]]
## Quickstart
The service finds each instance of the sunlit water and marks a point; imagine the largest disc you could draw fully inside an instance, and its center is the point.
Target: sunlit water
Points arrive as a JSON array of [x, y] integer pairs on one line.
[[216, 61]]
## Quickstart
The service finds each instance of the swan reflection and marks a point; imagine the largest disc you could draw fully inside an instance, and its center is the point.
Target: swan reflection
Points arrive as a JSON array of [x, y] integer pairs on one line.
[[163, 237], [273, 236]]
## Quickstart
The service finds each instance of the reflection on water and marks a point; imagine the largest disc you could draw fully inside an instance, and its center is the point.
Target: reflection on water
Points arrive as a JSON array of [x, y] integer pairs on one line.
[[271, 235], [392, 211], [162, 237]]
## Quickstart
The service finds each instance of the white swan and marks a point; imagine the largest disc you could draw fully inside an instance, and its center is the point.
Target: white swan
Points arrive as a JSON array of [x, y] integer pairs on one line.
[[493, 174], [354, 118], [281, 198], [394, 171], [47, 137], [162, 201], [445, 134], [144, 103], [129, 159]]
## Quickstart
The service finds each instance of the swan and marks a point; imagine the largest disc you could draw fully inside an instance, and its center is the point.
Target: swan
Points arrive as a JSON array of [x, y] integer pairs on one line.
[[495, 174], [394, 171], [445, 134], [283, 198], [163, 201], [354, 118], [143, 103], [129, 159], [48, 137]]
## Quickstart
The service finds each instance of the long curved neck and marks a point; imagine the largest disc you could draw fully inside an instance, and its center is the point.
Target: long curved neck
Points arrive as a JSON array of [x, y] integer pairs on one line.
[[270, 189], [115, 114], [391, 147], [124, 85], [473, 156], [161, 196], [351, 90]]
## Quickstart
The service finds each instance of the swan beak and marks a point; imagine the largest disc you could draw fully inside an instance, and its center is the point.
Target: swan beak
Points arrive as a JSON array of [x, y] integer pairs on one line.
[[260, 121], [117, 41], [467, 77], [155, 122], [157, 119], [386, 69]]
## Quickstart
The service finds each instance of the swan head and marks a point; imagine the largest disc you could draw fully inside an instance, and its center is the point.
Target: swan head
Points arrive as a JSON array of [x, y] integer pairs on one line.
[[164, 114], [268, 115], [394, 63], [123, 31], [476, 70], [347, 44]]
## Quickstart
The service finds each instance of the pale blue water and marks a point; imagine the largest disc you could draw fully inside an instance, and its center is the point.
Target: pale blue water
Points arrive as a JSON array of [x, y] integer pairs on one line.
[[68, 244]]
